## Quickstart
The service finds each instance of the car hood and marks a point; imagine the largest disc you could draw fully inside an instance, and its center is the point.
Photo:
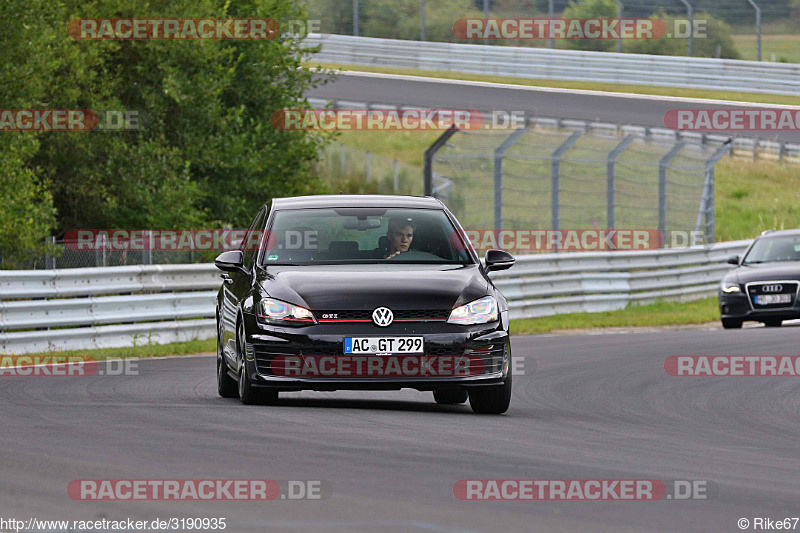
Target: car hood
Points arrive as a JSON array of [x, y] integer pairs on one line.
[[765, 272], [345, 287]]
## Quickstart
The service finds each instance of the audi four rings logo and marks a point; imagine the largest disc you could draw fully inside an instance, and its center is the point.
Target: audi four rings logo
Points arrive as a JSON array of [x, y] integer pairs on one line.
[[382, 316], [771, 288]]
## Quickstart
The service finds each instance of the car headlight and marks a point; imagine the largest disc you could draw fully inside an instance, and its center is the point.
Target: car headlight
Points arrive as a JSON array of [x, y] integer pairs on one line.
[[278, 312], [730, 287], [479, 311]]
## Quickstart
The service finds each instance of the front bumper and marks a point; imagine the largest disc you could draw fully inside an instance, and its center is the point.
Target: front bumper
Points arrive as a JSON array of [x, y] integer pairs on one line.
[[268, 347], [737, 305]]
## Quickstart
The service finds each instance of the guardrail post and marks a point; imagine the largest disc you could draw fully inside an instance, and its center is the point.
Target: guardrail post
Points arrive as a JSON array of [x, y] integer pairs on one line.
[[498, 176], [662, 189], [707, 203], [611, 187], [427, 171], [556, 178]]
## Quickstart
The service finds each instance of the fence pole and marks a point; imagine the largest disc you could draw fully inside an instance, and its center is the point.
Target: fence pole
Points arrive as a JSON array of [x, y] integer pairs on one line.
[[707, 203], [619, 16], [551, 43], [662, 189], [396, 181], [691, 26], [427, 170], [50, 260], [485, 17], [758, 28], [342, 159], [422, 20], [369, 167], [355, 18], [556, 178], [498, 176], [611, 186]]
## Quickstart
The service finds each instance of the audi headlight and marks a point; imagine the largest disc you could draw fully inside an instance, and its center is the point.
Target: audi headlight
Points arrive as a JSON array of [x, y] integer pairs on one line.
[[476, 312], [277, 312], [730, 287]]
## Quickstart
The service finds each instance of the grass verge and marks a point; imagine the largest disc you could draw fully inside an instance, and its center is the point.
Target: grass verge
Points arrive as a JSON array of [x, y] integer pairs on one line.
[[661, 313], [581, 85], [146, 351]]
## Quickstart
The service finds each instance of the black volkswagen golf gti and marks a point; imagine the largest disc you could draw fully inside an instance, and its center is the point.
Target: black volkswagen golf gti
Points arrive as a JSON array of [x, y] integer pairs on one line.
[[362, 292], [765, 285]]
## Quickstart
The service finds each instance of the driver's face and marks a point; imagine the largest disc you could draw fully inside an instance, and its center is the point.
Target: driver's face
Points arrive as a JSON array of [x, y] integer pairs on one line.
[[400, 238]]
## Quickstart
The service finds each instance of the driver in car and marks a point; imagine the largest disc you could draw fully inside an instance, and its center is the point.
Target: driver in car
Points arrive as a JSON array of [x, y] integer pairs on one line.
[[400, 235]]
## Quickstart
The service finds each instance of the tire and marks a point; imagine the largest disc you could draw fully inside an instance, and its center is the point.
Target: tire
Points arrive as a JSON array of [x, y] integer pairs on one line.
[[731, 323], [248, 394], [773, 323], [491, 400], [226, 385], [450, 397]]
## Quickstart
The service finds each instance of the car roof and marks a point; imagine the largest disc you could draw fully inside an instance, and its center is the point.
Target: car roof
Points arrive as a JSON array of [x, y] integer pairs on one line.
[[780, 233], [356, 200]]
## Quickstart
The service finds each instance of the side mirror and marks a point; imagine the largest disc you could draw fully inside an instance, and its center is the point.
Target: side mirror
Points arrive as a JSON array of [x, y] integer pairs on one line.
[[498, 260], [733, 260], [230, 261]]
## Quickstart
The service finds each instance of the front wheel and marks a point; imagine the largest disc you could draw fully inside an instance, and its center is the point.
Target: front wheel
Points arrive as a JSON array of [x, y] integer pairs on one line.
[[773, 323], [226, 385], [491, 400], [731, 323], [248, 394]]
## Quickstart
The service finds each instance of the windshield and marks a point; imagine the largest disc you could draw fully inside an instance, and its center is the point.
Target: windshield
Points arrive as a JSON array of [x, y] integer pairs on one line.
[[773, 249], [362, 235]]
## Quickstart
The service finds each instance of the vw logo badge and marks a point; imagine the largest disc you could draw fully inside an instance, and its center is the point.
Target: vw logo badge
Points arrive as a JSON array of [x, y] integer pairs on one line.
[[382, 316]]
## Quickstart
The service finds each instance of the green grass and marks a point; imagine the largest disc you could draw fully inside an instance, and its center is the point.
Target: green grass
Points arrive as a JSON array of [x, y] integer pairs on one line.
[[594, 86], [657, 314], [785, 47], [146, 351]]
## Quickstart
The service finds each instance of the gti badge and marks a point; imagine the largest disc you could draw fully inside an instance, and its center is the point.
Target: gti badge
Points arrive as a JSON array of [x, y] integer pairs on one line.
[[382, 316]]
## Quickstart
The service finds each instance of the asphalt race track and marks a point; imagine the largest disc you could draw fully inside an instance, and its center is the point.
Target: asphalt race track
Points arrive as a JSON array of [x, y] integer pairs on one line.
[[587, 407], [555, 103]]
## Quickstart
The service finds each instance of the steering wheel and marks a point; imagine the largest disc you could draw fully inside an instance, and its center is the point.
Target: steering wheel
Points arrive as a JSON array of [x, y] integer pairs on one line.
[[416, 255]]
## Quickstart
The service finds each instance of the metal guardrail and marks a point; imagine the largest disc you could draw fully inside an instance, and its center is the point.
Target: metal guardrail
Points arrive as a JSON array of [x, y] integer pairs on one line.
[[575, 65], [592, 282], [742, 147], [84, 308]]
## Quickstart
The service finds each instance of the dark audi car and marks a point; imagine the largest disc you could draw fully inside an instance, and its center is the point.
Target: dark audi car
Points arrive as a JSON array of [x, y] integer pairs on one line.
[[362, 292], [764, 286]]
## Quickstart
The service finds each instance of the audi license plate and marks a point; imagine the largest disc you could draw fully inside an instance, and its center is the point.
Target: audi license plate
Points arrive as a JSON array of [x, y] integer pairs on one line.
[[769, 299], [372, 345]]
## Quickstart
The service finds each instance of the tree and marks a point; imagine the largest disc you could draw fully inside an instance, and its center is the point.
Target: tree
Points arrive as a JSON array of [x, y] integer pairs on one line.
[[591, 9], [718, 33]]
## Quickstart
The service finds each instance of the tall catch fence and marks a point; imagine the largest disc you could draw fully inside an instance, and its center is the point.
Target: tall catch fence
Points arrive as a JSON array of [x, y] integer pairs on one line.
[[542, 179]]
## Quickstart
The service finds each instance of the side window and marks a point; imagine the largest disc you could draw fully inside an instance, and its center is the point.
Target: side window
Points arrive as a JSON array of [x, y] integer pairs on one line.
[[252, 239]]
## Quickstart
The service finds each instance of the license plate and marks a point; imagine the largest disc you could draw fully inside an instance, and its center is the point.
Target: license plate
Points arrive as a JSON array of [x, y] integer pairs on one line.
[[769, 299], [372, 345]]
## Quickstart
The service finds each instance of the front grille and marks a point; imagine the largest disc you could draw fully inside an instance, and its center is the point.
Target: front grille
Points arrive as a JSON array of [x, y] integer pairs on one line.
[[366, 316], [755, 290], [490, 354]]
